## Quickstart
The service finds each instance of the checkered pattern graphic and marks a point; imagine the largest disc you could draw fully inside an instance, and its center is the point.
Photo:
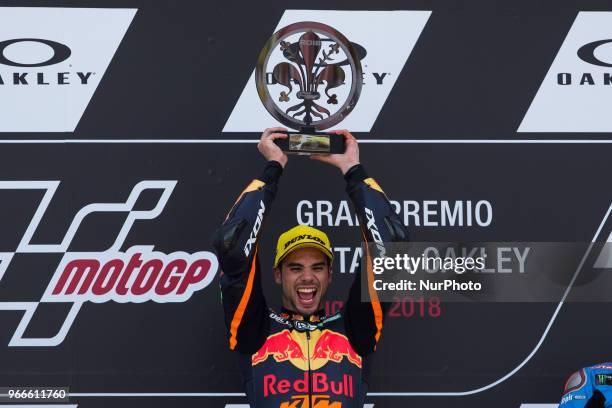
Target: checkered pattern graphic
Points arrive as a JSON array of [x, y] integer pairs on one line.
[[25, 245]]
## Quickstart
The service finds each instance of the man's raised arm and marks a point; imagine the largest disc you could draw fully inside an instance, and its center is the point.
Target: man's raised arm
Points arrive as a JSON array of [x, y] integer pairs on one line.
[[236, 246], [379, 224]]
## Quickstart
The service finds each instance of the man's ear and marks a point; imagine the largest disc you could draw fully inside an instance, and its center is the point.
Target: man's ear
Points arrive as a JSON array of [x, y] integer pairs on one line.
[[330, 272], [277, 276]]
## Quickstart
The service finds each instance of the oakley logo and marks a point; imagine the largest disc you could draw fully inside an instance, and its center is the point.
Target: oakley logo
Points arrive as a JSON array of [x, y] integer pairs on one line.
[[587, 53], [61, 52]]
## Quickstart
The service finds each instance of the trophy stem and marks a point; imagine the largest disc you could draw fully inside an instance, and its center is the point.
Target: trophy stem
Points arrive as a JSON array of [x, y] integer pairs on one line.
[[307, 129]]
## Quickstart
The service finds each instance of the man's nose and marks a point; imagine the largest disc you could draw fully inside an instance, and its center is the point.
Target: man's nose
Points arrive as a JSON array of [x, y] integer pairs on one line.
[[307, 275]]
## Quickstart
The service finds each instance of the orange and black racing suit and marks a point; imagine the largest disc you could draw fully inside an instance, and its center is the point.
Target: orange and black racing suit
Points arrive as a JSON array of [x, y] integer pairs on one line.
[[288, 360]]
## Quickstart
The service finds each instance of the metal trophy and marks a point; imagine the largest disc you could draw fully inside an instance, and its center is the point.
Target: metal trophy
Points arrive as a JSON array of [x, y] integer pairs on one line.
[[308, 76]]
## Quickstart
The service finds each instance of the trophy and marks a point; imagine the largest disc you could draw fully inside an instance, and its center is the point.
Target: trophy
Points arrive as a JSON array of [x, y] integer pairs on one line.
[[309, 78]]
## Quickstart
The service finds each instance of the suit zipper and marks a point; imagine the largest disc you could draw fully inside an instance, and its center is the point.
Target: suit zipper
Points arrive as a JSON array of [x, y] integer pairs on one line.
[[309, 373]]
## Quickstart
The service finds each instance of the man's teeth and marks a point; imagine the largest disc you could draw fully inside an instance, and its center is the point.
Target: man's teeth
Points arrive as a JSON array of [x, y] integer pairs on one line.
[[306, 290]]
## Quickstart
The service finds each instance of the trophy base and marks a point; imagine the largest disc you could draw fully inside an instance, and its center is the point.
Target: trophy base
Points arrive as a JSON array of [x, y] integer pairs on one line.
[[307, 143]]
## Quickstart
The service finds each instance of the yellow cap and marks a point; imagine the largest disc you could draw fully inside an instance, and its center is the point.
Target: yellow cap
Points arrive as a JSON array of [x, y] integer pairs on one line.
[[302, 236]]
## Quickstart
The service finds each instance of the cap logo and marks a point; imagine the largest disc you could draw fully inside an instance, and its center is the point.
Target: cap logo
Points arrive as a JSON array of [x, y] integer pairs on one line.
[[301, 237]]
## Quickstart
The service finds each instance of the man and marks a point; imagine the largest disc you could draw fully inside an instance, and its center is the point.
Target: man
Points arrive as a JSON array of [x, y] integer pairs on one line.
[[590, 387], [301, 358]]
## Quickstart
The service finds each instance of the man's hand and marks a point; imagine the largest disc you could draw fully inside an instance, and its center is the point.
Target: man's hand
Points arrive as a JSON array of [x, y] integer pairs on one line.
[[343, 161], [269, 149]]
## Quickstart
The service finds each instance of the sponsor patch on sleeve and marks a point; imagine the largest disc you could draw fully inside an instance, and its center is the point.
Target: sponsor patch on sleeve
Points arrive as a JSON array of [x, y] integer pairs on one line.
[[603, 379]]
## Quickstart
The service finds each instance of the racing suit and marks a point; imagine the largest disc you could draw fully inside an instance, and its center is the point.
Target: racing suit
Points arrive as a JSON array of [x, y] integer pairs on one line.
[[590, 387], [288, 360]]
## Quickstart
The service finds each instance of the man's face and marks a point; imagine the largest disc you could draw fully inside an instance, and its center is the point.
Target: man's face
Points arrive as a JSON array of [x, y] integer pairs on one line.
[[304, 276]]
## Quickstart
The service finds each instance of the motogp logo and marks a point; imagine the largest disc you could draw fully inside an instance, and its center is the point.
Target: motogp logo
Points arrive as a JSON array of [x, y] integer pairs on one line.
[[137, 275]]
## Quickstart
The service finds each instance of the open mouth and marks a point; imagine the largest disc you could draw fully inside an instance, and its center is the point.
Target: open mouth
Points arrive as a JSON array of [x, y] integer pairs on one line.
[[306, 295]]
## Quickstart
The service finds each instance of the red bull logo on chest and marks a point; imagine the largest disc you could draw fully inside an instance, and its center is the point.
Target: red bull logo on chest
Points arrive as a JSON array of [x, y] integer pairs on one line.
[[307, 353], [320, 383]]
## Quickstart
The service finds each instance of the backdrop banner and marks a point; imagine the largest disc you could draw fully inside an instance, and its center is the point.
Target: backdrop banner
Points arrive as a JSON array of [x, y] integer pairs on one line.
[[128, 129]]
